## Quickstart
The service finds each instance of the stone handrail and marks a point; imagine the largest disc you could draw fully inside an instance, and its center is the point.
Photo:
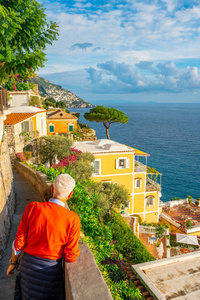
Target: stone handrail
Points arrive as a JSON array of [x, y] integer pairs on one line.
[[83, 279]]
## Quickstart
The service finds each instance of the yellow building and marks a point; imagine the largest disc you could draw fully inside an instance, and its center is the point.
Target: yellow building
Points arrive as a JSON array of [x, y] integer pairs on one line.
[[21, 120], [60, 122], [116, 163]]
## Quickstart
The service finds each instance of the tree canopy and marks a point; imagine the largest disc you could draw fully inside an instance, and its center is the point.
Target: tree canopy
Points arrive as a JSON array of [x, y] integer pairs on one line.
[[53, 147], [107, 116], [49, 102], [24, 34], [61, 104]]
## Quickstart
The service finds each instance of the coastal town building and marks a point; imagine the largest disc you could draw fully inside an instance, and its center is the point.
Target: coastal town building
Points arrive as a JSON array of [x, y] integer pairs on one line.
[[22, 98], [60, 122], [174, 278], [183, 217], [116, 163], [20, 123]]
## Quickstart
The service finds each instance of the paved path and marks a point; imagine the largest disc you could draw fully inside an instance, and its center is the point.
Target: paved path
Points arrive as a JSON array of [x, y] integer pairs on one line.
[[25, 193]]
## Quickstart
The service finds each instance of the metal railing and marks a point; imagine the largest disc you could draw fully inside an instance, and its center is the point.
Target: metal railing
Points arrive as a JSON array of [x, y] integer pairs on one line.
[[152, 185], [3, 99], [139, 166]]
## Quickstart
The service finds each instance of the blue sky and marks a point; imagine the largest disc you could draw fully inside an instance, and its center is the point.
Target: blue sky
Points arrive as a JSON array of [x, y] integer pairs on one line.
[[133, 50]]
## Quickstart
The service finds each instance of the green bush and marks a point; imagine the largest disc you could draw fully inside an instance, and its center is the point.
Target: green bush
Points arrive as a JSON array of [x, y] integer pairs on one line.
[[51, 147], [127, 243], [27, 154]]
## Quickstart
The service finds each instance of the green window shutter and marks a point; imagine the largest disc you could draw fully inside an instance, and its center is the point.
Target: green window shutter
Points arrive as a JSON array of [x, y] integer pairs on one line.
[[71, 127], [51, 128]]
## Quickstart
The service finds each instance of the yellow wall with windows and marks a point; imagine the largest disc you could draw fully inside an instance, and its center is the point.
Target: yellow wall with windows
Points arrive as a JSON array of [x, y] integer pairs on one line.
[[155, 205], [108, 163], [125, 180], [127, 177], [141, 176]]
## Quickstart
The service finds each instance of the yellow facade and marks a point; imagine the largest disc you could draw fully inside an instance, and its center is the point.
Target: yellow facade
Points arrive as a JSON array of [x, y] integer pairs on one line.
[[134, 181]]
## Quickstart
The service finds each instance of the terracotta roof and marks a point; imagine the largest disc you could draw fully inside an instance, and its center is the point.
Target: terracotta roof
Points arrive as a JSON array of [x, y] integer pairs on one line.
[[60, 115], [15, 118]]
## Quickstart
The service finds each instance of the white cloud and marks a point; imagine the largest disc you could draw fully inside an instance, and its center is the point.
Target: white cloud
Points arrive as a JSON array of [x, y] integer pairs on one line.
[[127, 79]]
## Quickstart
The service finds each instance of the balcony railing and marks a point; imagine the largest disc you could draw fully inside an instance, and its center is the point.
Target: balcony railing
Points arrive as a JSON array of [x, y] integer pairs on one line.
[[3, 100], [152, 185], [139, 167]]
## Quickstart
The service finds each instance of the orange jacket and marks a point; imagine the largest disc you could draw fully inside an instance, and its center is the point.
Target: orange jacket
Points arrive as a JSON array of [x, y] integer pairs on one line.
[[48, 230]]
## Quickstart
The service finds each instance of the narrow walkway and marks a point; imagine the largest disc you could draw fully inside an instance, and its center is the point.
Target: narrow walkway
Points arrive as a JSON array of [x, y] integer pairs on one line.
[[25, 193]]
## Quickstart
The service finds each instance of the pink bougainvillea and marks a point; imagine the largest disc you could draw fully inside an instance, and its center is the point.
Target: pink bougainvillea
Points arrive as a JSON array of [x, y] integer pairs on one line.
[[20, 156], [71, 159]]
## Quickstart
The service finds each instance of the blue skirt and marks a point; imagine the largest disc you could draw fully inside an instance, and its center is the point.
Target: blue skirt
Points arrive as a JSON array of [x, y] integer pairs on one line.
[[39, 278]]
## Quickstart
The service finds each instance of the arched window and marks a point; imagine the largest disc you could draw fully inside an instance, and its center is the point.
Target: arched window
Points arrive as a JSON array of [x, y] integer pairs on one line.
[[149, 201], [138, 183]]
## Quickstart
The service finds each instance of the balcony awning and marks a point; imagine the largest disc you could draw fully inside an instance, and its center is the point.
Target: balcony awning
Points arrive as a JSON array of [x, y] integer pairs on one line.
[[187, 239], [140, 153]]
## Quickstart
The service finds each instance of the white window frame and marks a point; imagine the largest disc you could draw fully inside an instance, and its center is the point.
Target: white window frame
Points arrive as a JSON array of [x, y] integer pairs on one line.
[[147, 199], [127, 163], [42, 125], [22, 126], [136, 180], [99, 173]]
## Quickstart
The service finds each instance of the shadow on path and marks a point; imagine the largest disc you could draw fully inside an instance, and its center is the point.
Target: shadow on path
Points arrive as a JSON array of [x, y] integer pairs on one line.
[[25, 193]]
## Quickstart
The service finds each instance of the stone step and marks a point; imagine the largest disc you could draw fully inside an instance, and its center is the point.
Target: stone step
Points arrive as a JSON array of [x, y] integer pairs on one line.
[[140, 287], [132, 277], [145, 293], [129, 273], [136, 282]]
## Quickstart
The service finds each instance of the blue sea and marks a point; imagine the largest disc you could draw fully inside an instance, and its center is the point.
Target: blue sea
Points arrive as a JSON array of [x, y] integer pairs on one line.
[[170, 133]]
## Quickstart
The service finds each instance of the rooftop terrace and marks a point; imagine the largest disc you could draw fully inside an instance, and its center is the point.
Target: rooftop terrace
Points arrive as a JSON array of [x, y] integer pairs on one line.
[[181, 213]]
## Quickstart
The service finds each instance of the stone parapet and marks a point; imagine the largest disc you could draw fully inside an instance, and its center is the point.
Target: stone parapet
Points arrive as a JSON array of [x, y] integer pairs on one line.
[[83, 279], [38, 179]]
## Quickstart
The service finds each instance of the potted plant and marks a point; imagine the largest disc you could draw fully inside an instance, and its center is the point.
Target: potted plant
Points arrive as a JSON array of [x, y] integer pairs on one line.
[[189, 198]]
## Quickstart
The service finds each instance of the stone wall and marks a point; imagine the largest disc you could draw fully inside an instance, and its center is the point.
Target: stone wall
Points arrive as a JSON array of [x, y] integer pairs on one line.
[[7, 194], [14, 143]]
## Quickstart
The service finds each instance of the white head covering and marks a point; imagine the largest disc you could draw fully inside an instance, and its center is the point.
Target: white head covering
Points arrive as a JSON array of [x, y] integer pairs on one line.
[[63, 185]]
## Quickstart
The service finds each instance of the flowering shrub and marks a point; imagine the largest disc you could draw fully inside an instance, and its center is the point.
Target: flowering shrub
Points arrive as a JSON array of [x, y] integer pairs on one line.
[[71, 159], [27, 154], [15, 84], [20, 156]]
